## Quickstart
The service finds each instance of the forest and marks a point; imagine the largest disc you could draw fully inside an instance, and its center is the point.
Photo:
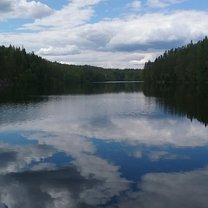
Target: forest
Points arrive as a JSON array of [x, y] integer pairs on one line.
[[187, 64], [27, 70]]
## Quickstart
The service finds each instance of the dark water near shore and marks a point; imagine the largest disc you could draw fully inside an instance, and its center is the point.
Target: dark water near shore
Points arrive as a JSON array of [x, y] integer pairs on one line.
[[106, 145]]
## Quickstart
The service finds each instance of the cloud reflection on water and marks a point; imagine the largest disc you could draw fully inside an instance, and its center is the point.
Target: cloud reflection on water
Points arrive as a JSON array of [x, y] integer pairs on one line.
[[161, 190], [69, 124], [129, 117]]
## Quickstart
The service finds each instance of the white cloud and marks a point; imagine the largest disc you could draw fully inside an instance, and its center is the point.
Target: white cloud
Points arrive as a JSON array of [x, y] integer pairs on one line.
[[145, 35], [97, 179], [68, 119], [125, 117], [17, 158], [88, 165], [160, 190], [68, 36], [43, 166], [60, 51], [84, 3], [93, 167], [11, 9], [162, 3], [75, 13], [157, 155], [136, 4]]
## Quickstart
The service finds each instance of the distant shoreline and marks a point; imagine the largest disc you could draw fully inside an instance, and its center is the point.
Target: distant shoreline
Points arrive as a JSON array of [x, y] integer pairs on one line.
[[117, 82]]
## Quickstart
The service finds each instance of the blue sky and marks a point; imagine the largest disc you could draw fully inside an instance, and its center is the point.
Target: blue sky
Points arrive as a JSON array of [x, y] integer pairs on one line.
[[108, 33]]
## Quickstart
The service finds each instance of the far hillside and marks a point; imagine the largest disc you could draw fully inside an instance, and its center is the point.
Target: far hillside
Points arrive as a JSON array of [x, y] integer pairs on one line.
[[18, 68], [188, 64]]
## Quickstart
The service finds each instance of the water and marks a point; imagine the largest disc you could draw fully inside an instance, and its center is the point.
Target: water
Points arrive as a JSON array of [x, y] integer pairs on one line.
[[112, 146]]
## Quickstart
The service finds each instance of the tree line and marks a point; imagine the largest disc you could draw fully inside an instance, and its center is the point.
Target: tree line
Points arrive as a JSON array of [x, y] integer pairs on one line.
[[19, 68], [185, 64]]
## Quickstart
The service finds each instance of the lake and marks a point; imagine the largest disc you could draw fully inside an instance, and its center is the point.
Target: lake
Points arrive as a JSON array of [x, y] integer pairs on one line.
[[111, 145]]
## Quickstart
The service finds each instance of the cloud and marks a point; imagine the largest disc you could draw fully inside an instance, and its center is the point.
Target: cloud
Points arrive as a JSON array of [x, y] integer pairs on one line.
[[84, 3], [160, 190], [88, 181], [162, 3], [6, 157], [12, 9], [65, 126], [51, 51], [143, 34], [136, 4], [97, 168], [44, 166], [68, 36], [17, 158], [5, 6], [54, 188], [75, 13], [157, 155], [60, 188], [67, 118], [117, 60], [2, 205], [155, 31]]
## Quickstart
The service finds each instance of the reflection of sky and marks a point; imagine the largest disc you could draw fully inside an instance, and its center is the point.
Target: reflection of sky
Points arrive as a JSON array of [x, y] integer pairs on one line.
[[85, 151], [161, 190], [151, 158]]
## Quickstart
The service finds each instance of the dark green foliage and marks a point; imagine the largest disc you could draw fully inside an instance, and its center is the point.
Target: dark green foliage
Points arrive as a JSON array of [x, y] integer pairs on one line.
[[186, 64], [27, 70]]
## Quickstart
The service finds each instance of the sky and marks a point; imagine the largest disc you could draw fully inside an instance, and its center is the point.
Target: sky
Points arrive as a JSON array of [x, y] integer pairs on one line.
[[106, 33]]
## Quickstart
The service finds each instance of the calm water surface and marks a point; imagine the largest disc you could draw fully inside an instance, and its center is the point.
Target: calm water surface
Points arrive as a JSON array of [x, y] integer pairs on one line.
[[128, 148]]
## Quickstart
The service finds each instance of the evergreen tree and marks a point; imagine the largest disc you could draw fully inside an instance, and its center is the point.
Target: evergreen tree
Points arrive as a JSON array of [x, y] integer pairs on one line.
[[19, 68], [186, 64]]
